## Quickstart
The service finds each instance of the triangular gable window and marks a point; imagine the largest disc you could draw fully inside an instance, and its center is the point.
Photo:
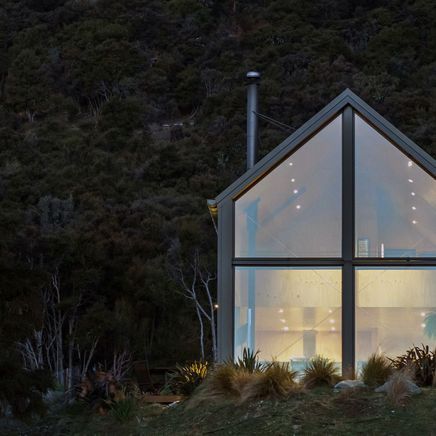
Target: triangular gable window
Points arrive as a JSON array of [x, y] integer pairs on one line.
[[296, 209], [395, 200]]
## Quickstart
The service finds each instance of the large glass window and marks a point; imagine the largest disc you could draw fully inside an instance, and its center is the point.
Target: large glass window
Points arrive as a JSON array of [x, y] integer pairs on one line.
[[395, 309], [395, 200], [295, 211], [289, 314]]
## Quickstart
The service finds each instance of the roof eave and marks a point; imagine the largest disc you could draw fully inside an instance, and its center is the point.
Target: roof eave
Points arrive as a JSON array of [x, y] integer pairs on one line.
[[309, 128]]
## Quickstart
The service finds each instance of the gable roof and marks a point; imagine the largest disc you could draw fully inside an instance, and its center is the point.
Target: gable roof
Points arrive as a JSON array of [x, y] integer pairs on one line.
[[346, 98]]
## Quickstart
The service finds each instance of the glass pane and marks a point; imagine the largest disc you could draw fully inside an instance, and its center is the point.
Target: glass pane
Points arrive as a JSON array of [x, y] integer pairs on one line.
[[395, 200], [395, 309], [295, 211], [289, 314]]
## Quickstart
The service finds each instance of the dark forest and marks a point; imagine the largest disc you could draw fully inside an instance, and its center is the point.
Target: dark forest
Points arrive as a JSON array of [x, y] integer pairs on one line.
[[119, 119]]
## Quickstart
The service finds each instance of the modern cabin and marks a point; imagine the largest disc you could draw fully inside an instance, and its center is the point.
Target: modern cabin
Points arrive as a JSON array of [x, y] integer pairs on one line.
[[327, 245]]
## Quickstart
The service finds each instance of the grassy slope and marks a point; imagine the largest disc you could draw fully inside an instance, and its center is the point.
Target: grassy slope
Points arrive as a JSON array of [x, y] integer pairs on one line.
[[316, 412], [321, 412]]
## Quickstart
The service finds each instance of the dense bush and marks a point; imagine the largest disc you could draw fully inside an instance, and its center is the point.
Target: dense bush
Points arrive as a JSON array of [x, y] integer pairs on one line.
[[118, 119], [23, 390]]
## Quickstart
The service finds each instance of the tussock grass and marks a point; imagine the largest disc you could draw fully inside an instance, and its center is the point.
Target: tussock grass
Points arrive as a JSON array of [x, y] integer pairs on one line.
[[275, 382], [398, 390], [376, 370], [320, 372], [228, 380]]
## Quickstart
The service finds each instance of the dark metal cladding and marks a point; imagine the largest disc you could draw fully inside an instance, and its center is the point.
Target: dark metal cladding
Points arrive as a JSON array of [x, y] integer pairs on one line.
[[253, 78]]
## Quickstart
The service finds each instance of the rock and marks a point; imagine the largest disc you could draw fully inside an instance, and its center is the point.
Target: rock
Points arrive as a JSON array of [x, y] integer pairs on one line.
[[412, 388], [349, 384]]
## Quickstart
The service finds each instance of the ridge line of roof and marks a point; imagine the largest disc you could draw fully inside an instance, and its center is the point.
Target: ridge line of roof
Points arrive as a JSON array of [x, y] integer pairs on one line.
[[347, 97]]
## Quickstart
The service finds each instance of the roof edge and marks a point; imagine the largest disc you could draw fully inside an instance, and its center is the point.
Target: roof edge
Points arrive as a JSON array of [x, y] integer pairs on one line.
[[347, 97]]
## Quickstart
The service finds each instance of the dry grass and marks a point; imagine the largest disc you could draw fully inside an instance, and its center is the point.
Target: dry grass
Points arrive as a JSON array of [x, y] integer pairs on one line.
[[376, 370], [398, 389], [320, 372], [218, 384], [352, 402], [275, 382], [230, 381]]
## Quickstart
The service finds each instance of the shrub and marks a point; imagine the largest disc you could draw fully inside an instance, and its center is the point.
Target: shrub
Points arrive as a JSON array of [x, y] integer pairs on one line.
[[21, 390], [376, 370], [320, 371], [398, 388], [423, 362], [186, 378], [249, 362], [228, 380], [123, 410], [222, 379], [276, 381]]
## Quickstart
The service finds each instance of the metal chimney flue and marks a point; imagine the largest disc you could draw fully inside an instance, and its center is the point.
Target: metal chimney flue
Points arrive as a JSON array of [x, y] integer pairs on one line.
[[253, 80]]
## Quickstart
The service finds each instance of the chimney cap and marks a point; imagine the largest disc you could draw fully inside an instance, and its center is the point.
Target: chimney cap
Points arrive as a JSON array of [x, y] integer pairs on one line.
[[253, 75]]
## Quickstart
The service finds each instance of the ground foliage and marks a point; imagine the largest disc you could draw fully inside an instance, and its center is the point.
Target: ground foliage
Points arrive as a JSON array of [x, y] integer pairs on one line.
[[118, 119], [316, 412]]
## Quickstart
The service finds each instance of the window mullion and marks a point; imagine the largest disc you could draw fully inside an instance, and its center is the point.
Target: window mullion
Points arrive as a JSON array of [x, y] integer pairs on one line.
[[348, 280]]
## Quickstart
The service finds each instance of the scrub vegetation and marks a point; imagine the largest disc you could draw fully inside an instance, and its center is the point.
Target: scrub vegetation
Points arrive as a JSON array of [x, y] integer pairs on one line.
[[320, 371], [376, 370], [118, 119]]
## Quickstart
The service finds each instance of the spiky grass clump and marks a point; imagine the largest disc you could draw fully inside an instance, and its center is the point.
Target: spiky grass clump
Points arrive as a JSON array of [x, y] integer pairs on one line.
[[185, 379], [320, 371], [276, 381], [230, 381], [249, 361], [221, 380], [398, 388], [376, 370], [423, 362]]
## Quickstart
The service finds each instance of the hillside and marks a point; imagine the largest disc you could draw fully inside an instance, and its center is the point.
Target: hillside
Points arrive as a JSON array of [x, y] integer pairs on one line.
[[314, 413], [118, 119]]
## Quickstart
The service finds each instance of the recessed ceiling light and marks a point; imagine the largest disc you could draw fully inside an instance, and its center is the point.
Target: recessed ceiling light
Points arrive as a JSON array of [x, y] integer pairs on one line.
[[295, 191], [412, 194], [410, 163], [331, 321], [414, 222], [298, 206], [410, 180], [292, 180], [290, 164], [423, 325], [280, 310], [413, 207], [286, 328]]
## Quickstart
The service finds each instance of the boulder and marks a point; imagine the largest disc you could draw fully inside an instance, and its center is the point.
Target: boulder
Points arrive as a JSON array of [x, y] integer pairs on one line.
[[412, 388], [349, 384]]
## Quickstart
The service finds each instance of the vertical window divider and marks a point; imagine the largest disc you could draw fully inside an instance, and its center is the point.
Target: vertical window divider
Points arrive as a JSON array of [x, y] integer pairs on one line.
[[348, 209]]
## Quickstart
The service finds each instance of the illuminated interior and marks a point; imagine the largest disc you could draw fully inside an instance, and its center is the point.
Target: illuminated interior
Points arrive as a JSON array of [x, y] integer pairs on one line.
[[395, 309], [289, 314], [293, 216]]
